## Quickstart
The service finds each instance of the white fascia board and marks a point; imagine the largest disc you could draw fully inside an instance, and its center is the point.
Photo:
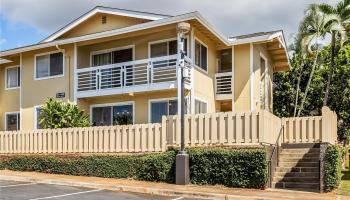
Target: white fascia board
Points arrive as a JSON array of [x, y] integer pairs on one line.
[[125, 13], [138, 27]]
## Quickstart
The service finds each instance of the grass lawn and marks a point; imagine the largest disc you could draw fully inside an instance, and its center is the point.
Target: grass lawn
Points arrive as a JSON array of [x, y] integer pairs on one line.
[[344, 188]]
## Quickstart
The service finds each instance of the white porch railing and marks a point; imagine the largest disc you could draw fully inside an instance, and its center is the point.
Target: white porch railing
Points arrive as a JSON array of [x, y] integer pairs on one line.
[[134, 76], [223, 88]]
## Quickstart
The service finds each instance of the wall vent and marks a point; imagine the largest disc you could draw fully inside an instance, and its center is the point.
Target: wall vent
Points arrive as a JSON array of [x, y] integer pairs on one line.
[[104, 19]]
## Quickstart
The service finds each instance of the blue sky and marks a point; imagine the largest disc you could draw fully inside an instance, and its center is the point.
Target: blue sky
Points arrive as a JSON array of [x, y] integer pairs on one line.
[[17, 34], [25, 22]]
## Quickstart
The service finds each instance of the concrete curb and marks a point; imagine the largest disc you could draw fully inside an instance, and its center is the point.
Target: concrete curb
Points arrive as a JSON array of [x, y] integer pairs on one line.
[[133, 189]]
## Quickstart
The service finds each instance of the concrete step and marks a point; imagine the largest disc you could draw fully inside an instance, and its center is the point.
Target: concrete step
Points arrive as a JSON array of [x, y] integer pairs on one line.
[[302, 159], [298, 155], [300, 145], [295, 185], [297, 169], [297, 174], [296, 179], [301, 150], [298, 164]]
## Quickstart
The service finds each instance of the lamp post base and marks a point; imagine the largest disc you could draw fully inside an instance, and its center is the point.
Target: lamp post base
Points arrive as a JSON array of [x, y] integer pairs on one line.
[[182, 168]]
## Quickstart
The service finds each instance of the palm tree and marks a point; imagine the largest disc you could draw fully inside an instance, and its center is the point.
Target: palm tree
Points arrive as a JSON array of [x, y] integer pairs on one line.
[[297, 49], [339, 29], [313, 28]]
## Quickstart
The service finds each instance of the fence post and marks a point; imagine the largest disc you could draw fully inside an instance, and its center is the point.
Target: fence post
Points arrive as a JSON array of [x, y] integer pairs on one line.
[[261, 126], [164, 134], [329, 123]]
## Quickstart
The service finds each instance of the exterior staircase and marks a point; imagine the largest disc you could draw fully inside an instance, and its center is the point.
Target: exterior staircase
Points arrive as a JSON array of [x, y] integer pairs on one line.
[[298, 167]]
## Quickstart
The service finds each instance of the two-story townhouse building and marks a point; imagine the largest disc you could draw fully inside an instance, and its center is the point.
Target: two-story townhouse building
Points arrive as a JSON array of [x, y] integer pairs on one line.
[[121, 66]]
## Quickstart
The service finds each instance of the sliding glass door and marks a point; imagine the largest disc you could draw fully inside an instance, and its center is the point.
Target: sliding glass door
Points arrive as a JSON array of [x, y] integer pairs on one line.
[[121, 114]]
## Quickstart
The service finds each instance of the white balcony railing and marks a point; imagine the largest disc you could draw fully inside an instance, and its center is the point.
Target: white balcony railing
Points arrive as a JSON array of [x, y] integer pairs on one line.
[[134, 76], [223, 88]]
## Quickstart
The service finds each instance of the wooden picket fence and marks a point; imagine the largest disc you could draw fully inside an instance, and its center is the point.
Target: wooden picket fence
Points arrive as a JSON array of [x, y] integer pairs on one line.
[[210, 129], [106, 139]]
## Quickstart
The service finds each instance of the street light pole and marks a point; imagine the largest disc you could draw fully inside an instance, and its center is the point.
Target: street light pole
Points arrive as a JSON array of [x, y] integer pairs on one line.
[[182, 158]]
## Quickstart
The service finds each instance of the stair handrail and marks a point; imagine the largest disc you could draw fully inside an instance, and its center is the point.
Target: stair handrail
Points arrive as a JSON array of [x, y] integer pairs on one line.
[[273, 153]]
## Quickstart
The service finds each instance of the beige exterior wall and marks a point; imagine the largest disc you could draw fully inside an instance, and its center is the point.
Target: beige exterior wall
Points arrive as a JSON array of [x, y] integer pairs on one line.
[[241, 69], [260, 49], [204, 85], [94, 25], [36, 92], [9, 98], [140, 101], [140, 44]]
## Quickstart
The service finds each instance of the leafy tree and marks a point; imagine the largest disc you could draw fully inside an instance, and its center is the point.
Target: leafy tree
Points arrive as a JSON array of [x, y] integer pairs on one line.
[[313, 28], [57, 114], [339, 31]]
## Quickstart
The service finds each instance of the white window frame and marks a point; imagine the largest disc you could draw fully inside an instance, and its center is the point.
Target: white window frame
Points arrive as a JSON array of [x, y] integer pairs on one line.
[[36, 116], [166, 40], [18, 119], [114, 104], [150, 101], [194, 55], [203, 101], [12, 88], [49, 77], [132, 46]]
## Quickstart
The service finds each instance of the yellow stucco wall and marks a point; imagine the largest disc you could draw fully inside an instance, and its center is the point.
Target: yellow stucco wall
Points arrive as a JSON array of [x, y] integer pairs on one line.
[[9, 99], [140, 100], [94, 24], [204, 85], [261, 49], [242, 77], [36, 92]]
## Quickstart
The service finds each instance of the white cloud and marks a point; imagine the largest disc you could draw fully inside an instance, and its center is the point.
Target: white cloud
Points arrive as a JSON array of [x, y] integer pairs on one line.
[[232, 17]]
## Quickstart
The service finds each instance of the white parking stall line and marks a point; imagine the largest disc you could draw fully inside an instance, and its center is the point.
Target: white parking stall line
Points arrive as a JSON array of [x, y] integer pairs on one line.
[[179, 198], [16, 185], [64, 195]]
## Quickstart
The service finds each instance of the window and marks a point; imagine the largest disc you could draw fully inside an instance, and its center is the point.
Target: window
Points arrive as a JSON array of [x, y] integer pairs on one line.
[[200, 106], [112, 115], [263, 84], [12, 121], [201, 55], [113, 56], [166, 48], [49, 65], [12, 77], [38, 115], [163, 107], [225, 60]]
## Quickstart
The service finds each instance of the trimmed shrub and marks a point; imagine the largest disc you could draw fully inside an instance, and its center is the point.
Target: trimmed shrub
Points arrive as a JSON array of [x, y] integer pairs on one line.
[[245, 168], [230, 167], [332, 167]]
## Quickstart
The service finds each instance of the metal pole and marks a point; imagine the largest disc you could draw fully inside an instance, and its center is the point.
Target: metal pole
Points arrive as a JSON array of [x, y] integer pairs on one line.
[[182, 61]]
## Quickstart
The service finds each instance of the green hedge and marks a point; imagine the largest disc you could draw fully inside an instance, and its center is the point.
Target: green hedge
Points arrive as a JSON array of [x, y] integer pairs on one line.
[[245, 168], [230, 167], [152, 167], [332, 167]]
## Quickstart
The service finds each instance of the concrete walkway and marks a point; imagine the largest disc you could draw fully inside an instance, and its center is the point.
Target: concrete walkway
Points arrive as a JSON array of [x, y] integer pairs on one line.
[[190, 191]]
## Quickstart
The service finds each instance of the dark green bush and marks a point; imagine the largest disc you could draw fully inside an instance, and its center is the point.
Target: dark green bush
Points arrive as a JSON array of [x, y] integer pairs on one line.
[[245, 168], [332, 167], [234, 168]]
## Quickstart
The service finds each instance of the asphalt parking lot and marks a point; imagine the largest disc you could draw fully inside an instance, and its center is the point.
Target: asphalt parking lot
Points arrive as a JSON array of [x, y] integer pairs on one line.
[[13, 190]]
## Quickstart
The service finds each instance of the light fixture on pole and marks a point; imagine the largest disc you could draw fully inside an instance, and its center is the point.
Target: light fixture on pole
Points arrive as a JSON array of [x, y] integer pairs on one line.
[[182, 158]]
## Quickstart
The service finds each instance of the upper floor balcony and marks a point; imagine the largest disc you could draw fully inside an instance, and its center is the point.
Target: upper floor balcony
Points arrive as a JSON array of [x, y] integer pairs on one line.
[[160, 73]]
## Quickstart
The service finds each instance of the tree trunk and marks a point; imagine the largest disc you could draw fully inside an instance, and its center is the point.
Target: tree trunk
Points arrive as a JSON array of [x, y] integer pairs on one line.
[[325, 100], [308, 83], [298, 87]]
